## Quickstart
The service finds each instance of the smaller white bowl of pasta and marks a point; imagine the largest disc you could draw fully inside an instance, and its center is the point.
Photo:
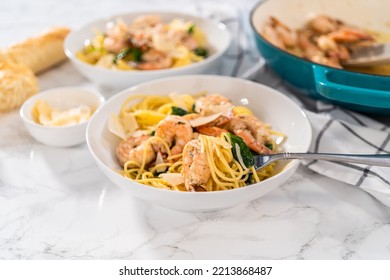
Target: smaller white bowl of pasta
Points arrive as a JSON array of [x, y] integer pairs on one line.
[[58, 117], [140, 57], [268, 105]]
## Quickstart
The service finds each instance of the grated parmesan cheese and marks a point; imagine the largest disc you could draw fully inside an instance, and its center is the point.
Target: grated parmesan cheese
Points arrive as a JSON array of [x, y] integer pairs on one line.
[[173, 179], [240, 160], [204, 120]]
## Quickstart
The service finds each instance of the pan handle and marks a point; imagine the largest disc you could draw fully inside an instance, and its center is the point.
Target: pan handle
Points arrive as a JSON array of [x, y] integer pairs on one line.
[[352, 87]]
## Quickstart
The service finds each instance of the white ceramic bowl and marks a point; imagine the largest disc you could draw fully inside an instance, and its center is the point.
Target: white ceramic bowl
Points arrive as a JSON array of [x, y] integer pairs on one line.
[[218, 42], [268, 104], [66, 98]]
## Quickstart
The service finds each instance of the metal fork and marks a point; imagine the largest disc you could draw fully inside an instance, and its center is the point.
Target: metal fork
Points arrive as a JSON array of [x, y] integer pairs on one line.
[[379, 160]]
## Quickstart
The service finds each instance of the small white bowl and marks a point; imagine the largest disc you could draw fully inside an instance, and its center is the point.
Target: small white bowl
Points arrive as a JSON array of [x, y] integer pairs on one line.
[[218, 38], [268, 104], [64, 97]]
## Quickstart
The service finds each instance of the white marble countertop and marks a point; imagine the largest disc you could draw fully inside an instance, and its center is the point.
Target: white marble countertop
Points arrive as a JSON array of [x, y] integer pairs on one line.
[[56, 204]]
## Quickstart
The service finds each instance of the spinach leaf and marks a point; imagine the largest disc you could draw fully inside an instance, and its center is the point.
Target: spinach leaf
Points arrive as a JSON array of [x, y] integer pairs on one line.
[[269, 146], [133, 54], [201, 52], [178, 111], [191, 29], [250, 179], [245, 152]]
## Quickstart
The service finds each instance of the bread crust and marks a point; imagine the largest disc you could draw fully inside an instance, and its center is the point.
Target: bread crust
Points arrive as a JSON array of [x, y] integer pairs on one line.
[[17, 83], [40, 52]]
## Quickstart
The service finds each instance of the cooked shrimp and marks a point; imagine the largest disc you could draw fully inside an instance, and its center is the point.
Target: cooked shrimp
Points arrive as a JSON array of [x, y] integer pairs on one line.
[[180, 37], [190, 43], [312, 52], [134, 148], [350, 35], [307, 45], [145, 21], [325, 43], [154, 60], [279, 34], [196, 170], [119, 31], [329, 61], [206, 104], [175, 131], [141, 39], [272, 36], [324, 24], [323, 39], [252, 131], [332, 48], [117, 37], [211, 130], [286, 34], [340, 54], [212, 104], [142, 29], [113, 45]]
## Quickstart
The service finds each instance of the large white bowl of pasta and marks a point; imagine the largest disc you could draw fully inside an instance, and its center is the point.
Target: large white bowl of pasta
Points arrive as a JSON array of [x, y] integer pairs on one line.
[[125, 49], [186, 142]]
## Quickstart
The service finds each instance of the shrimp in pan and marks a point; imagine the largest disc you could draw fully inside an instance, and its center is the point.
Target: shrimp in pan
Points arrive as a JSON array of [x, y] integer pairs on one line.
[[279, 34]]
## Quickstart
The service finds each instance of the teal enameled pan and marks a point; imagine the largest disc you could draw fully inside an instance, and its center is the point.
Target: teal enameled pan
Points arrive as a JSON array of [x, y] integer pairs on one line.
[[357, 91]]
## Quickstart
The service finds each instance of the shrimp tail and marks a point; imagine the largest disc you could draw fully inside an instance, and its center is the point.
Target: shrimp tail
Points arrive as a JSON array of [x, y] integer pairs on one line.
[[211, 130], [252, 143]]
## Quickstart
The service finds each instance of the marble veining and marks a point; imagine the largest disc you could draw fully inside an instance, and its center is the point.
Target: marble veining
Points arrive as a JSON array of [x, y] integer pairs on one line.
[[56, 204]]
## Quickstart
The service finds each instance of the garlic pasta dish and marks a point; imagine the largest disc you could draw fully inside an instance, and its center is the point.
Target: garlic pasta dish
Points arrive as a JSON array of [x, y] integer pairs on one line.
[[147, 43], [189, 142]]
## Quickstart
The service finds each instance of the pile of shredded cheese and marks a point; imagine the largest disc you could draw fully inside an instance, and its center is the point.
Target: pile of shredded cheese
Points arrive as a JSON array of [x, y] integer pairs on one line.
[[46, 115]]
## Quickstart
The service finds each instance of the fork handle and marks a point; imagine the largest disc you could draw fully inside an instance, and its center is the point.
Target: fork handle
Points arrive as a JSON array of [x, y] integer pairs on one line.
[[378, 160]]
